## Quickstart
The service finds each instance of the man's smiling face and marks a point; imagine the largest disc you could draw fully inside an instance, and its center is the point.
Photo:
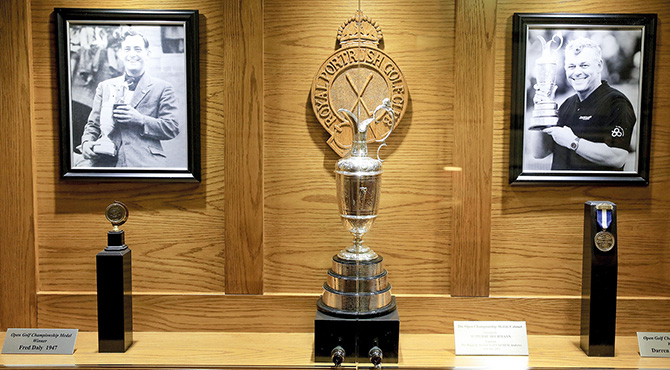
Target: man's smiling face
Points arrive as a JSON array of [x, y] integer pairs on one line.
[[583, 71], [134, 54]]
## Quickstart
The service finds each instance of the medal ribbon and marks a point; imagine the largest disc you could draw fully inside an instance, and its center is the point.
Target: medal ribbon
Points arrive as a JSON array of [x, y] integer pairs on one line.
[[604, 218]]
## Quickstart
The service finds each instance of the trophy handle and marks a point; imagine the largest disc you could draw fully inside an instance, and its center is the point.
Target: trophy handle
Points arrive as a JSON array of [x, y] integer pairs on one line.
[[386, 105], [559, 41], [556, 38], [363, 126]]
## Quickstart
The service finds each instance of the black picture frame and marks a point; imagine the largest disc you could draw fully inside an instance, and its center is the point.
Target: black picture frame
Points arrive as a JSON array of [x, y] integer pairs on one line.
[[163, 144], [628, 41]]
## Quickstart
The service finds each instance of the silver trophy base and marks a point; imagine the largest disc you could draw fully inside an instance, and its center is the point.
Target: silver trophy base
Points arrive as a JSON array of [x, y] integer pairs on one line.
[[540, 122], [357, 289], [105, 146], [539, 127], [362, 254]]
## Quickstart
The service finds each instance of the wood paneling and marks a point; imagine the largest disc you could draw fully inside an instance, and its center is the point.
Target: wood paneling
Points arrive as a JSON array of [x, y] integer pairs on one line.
[[174, 312], [295, 313], [243, 106], [264, 218], [302, 226], [537, 230], [17, 211], [176, 231], [471, 215], [239, 351]]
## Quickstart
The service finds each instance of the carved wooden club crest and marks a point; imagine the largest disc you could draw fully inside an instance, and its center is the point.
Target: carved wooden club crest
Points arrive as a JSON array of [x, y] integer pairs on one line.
[[357, 77]]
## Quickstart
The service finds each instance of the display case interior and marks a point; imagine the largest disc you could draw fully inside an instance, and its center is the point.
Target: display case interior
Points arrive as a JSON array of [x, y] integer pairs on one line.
[[247, 250]]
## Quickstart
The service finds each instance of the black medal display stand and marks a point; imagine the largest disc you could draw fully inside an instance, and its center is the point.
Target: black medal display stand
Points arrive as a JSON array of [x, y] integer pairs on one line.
[[115, 301], [599, 281]]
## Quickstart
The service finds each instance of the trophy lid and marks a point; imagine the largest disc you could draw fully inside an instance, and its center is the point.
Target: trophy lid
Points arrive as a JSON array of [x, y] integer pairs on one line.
[[548, 54], [357, 159]]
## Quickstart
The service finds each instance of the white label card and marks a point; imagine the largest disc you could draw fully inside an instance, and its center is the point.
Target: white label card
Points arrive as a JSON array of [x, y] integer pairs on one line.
[[500, 338], [654, 344], [40, 341]]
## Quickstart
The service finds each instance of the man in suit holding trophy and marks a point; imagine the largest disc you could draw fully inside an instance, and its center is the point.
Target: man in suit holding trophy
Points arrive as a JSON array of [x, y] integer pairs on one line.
[[131, 114]]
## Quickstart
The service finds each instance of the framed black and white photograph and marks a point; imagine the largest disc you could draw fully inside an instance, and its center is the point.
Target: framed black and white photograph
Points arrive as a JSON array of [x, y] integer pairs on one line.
[[129, 94], [581, 101]]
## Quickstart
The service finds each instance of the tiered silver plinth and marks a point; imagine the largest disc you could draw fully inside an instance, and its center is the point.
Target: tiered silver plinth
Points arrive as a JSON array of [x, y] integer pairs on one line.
[[357, 289], [545, 114]]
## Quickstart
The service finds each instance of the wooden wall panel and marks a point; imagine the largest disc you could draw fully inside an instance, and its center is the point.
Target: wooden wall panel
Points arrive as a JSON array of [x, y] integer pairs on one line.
[[243, 71], [176, 231], [302, 226], [474, 72], [295, 313], [186, 257], [17, 211], [537, 230]]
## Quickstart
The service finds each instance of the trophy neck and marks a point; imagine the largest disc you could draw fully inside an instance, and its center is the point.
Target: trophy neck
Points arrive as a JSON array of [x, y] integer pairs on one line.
[[357, 252], [351, 254], [359, 146]]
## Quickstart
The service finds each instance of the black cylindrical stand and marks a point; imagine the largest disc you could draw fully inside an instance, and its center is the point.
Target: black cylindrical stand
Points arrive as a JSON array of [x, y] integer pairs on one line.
[[115, 301]]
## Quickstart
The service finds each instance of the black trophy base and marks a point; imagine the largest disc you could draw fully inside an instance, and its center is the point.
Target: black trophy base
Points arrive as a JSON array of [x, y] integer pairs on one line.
[[115, 346], [357, 336], [598, 326], [598, 350], [115, 305]]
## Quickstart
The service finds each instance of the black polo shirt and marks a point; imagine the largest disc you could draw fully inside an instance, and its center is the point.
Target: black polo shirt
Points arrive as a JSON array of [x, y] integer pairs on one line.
[[605, 116]]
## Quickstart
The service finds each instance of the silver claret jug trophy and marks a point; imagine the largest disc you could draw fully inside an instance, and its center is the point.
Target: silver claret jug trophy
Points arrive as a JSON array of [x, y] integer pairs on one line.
[[545, 109], [357, 318]]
